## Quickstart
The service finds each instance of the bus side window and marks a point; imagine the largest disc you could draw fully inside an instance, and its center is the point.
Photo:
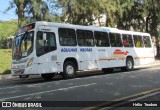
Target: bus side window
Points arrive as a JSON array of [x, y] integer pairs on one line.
[[112, 40], [51, 40], [118, 40], [85, 38], [102, 39], [130, 40], [138, 41], [43, 47], [97, 36], [67, 37], [40, 42], [89, 38], [80, 37], [115, 40], [147, 41], [127, 40]]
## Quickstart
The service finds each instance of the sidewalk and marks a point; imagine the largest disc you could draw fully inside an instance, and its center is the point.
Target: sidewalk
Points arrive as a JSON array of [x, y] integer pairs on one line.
[[7, 76], [156, 63]]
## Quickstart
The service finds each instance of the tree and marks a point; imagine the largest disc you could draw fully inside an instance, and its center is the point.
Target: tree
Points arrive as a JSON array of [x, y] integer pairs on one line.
[[152, 12], [79, 11], [109, 8], [130, 15], [19, 6], [38, 10], [29, 9]]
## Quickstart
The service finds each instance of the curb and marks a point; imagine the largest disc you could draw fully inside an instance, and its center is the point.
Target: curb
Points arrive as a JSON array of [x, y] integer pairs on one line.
[[7, 76], [156, 63]]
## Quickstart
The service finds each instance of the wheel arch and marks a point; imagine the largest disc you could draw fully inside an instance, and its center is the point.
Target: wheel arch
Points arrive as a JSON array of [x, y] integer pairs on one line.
[[73, 60], [130, 58]]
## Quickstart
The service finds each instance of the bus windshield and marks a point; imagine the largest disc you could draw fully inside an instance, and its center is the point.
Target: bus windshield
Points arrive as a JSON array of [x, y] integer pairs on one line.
[[23, 45]]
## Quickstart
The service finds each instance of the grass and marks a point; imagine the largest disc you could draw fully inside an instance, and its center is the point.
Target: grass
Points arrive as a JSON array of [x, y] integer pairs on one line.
[[5, 61], [7, 29]]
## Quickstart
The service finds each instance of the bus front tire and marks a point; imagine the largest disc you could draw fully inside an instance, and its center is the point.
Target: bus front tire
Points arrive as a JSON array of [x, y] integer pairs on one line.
[[69, 70], [129, 65], [47, 76]]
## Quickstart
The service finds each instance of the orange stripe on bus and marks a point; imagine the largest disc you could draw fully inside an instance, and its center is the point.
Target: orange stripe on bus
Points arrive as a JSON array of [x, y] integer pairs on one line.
[[142, 57]]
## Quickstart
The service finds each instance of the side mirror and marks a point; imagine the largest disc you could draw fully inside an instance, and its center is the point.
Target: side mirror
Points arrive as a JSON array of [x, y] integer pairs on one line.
[[44, 36]]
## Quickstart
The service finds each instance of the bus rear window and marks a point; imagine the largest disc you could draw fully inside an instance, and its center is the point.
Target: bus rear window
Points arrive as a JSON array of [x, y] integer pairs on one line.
[[147, 41]]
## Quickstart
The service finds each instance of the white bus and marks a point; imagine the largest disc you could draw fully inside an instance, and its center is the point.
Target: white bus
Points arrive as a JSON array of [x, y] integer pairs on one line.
[[47, 48]]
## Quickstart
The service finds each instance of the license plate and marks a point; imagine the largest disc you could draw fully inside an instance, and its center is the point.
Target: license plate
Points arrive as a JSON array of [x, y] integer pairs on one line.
[[17, 73]]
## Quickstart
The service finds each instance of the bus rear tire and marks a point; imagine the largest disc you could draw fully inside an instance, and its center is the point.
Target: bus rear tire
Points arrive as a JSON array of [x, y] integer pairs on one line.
[[129, 65], [69, 70], [48, 76], [107, 70]]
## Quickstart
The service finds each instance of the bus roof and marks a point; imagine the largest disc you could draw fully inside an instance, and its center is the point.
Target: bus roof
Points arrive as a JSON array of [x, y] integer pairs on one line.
[[94, 28]]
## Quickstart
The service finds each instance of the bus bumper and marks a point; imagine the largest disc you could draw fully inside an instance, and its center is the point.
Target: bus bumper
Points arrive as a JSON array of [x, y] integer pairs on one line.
[[17, 72]]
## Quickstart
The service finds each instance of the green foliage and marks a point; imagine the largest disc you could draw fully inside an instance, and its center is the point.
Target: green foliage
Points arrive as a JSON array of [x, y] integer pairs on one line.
[[109, 8], [3, 44], [130, 14], [39, 10], [19, 6], [122, 14], [30, 10], [152, 12], [5, 61], [8, 28], [55, 18], [79, 11]]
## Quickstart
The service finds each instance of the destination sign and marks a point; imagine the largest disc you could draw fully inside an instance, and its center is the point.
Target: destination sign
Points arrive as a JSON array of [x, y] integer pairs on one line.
[[26, 28]]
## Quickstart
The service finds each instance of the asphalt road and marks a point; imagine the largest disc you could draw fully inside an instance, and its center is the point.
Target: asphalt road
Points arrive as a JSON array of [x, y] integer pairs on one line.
[[87, 91]]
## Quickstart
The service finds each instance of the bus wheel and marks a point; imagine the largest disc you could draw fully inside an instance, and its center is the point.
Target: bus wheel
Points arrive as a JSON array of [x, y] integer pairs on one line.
[[129, 65], [107, 70], [69, 70], [47, 76]]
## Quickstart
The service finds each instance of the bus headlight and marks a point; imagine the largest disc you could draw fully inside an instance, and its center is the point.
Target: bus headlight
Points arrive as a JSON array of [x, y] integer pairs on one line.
[[30, 62]]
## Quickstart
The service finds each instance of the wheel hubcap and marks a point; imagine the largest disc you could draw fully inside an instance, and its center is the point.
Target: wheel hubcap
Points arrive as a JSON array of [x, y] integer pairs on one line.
[[69, 70], [129, 64]]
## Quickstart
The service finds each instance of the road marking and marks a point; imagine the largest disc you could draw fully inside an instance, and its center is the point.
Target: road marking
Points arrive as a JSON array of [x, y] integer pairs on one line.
[[43, 83], [142, 94], [29, 85], [10, 87], [145, 96], [61, 89], [32, 85], [132, 100]]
